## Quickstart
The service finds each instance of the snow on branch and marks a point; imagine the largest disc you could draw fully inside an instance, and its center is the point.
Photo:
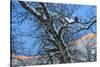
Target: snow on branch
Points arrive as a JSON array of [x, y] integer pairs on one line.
[[86, 26], [83, 26], [45, 10]]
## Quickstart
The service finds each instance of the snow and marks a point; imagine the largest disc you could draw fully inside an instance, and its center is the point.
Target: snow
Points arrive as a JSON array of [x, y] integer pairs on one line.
[[34, 10], [70, 20], [44, 17], [67, 18]]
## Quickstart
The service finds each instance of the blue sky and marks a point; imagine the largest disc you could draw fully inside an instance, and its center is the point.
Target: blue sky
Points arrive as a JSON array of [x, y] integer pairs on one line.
[[31, 44]]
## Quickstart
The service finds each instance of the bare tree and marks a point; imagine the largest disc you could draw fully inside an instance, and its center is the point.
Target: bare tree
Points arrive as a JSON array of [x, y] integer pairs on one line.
[[55, 26]]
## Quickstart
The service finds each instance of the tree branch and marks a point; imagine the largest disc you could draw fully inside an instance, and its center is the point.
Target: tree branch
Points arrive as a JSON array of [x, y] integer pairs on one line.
[[86, 26], [83, 26], [45, 10], [29, 9]]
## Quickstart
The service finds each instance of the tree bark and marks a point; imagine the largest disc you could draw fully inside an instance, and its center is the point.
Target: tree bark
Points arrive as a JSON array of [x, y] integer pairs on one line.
[[60, 44]]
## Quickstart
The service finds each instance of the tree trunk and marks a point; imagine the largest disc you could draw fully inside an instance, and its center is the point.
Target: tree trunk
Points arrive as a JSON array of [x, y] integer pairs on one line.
[[60, 44]]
